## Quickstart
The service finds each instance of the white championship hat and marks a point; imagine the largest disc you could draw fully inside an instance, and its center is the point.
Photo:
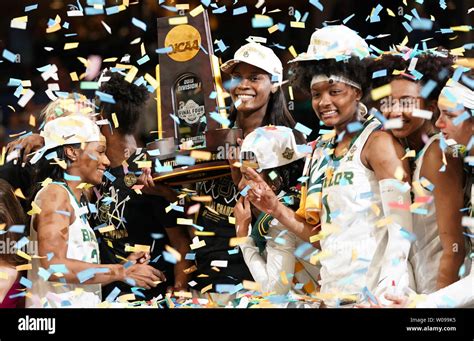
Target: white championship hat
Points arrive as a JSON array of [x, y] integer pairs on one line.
[[70, 129], [456, 93], [259, 56], [334, 42], [273, 146]]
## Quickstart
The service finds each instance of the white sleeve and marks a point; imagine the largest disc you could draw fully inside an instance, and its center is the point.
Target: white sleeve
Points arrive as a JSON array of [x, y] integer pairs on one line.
[[460, 294], [394, 266], [280, 257]]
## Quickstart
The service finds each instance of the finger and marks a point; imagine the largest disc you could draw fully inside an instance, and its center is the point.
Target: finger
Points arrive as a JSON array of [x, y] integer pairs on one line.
[[26, 152], [251, 174], [159, 274]]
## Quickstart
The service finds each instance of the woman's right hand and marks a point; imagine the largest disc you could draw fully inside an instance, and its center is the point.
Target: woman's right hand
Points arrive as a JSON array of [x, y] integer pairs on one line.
[[260, 194], [145, 276], [243, 217], [26, 145]]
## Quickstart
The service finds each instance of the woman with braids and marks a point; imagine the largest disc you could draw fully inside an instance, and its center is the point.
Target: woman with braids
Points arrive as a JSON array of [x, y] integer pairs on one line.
[[354, 175], [68, 251], [439, 249], [258, 100], [274, 255]]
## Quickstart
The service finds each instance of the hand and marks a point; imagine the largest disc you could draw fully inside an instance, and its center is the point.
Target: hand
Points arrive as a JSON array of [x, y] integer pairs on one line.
[[235, 171], [155, 188], [145, 276], [146, 180], [260, 194], [243, 217], [398, 301], [27, 144], [140, 257]]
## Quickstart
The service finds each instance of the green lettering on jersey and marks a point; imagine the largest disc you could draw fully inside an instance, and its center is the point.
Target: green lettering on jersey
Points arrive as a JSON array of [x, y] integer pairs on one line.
[[85, 235]]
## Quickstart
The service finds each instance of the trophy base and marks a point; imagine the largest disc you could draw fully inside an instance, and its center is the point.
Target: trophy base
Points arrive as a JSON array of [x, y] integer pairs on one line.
[[192, 174]]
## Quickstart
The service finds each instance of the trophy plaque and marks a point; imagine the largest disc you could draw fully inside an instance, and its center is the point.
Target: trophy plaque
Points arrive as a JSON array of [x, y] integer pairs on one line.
[[189, 90]]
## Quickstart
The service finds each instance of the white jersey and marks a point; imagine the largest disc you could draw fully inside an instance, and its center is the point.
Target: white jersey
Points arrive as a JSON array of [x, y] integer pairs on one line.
[[353, 247], [279, 259], [81, 245], [426, 250]]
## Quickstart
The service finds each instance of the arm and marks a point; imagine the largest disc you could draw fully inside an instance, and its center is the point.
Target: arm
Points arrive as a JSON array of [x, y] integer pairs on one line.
[[179, 240], [52, 229], [262, 197], [448, 199], [382, 154]]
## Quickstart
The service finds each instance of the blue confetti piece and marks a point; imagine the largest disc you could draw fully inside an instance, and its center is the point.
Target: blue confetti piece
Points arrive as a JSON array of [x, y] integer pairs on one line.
[[415, 13], [20, 294], [348, 18], [156, 259], [185, 160], [17, 229], [50, 255], [221, 45], [233, 251], [442, 4], [281, 27], [169, 257], [302, 249], [164, 50], [175, 118], [219, 10], [113, 295], [69, 177], [237, 288], [198, 227], [299, 286], [157, 235], [262, 22], [302, 129], [418, 75], [244, 191], [206, 2], [407, 26], [31, 7], [380, 73], [203, 49], [462, 270], [304, 148], [458, 72], [143, 60], [421, 24], [317, 4], [52, 155], [221, 288], [160, 168], [109, 176], [239, 10], [138, 23], [468, 81], [354, 126], [26, 282], [366, 195], [61, 268], [428, 88], [461, 118], [446, 31], [94, 11], [14, 82], [302, 178], [220, 119], [8, 55], [44, 274], [130, 281], [105, 97], [112, 10], [368, 295], [22, 242], [190, 256], [407, 235], [95, 2], [85, 275], [66, 26]]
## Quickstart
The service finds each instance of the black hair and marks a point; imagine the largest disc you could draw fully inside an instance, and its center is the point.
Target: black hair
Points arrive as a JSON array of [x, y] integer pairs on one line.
[[277, 114], [129, 101], [433, 67], [301, 73], [287, 177], [11, 213]]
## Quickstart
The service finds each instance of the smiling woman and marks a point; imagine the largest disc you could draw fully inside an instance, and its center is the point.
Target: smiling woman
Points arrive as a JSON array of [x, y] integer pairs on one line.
[[68, 251]]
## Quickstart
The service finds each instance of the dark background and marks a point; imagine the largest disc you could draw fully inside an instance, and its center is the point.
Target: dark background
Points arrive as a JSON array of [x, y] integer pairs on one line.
[[233, 30]]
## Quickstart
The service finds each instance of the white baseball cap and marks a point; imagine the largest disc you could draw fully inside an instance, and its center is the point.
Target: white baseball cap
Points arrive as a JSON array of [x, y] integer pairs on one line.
[[70, 129], [334, 41], [259, 56], [273, 146]]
